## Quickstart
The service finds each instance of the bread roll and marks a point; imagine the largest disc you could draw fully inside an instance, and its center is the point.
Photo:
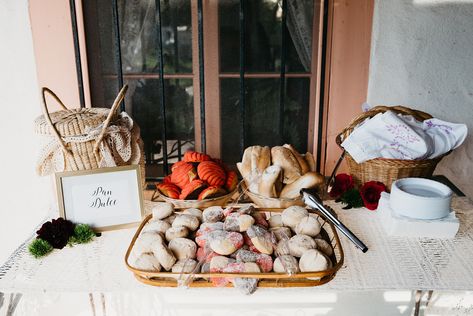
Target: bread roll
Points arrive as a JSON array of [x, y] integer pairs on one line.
[[147, 262], [161, 210], [252, 267], [225, 244], [245, 173], [293, 215], [158, 226], [281, 232], [260, 158], [264, 159], [313, 260], [218, 263], [247, 285], [176, 232], [213, 214], [205, 268], [300, 244], [165, 256], [170, 218], [309, 158], [309, 226], [275, 221], [262, 240], [266, 186], [324, 246], [263, 245], [286, 264], [251, 178], [282, 247], [309, 180], [186, 220], [283, 157], [278, 184], [246, 162], [238, 222], [144, 242], [195, 212], [184, 266], [183, 248], [300, 159]]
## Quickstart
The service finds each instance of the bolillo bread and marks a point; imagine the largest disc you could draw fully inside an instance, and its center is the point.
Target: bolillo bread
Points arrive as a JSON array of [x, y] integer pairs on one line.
[[254, 161], [309, 180], [268, 180], [251, 178], [260, 158], [300, 159], [284, 158], [309, 158]]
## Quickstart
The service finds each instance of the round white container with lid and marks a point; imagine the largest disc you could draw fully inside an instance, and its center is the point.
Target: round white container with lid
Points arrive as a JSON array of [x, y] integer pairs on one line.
[[420, 198]]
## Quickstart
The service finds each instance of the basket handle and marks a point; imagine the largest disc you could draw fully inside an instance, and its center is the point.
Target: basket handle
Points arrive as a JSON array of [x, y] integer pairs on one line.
[[45, 110], [116, 103], [399, 109]]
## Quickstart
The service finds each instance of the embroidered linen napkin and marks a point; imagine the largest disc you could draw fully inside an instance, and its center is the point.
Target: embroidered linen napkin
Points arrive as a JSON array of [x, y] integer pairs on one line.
[[388, 135]]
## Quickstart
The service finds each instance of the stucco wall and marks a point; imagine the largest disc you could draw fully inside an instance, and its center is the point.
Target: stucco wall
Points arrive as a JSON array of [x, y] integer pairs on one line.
[[422, 56], [24, 197]]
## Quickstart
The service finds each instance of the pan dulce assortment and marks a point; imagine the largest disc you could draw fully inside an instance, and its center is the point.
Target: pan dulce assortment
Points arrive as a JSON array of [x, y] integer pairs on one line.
[[198, 177], [231, 240]]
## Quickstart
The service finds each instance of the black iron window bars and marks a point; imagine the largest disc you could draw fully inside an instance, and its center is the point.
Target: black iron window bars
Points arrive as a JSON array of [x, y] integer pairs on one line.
[[242, 95]]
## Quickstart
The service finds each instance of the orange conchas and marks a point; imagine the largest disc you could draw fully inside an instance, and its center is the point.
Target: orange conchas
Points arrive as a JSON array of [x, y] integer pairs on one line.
[[167, 179], [183, 174], [211, 192], [169, 190], [220, 163], [232, 181], [193, 156], [191, 191], [177, 164], [212, 173]]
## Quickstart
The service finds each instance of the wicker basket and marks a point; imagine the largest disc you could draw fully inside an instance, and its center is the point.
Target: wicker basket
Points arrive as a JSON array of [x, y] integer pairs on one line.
[[221, 200], [83, 154], [267, 202], [268, 279], [382, 169]]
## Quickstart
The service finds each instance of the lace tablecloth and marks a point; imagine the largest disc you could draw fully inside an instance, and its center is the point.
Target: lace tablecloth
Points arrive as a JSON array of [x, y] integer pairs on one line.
[[390, 263]]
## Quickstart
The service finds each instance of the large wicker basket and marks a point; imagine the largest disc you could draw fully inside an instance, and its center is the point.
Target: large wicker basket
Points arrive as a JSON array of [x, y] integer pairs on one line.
[[268, 279], [69, 129], [382, 169]]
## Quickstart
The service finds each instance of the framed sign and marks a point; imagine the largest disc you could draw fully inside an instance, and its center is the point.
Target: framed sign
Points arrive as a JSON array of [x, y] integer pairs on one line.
[[105, 198]]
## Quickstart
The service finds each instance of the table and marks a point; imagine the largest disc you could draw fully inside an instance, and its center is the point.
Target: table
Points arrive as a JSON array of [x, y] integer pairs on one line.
[[391, 265]]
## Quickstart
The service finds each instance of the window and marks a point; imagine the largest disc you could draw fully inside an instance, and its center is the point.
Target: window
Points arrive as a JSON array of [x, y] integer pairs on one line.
[[273, 104]]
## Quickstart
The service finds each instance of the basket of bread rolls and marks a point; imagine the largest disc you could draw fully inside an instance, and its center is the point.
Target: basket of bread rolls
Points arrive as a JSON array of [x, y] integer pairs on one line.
[[198, 181], [239, 245], [273, 177]]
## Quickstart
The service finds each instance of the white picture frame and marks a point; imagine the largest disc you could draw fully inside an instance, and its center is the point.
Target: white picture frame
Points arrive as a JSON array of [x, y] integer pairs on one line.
[[104, 198]]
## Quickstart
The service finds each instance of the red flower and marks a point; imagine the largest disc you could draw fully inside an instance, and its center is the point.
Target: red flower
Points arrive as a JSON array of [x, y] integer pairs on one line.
[[343, 183], [371, 192]]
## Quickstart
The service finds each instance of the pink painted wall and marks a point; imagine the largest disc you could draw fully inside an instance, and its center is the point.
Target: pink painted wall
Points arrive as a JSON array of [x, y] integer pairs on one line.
[[54, 49], [350, 59]]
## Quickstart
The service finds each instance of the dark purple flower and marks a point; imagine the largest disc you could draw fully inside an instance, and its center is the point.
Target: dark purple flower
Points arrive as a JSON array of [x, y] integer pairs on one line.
[[56, 232]]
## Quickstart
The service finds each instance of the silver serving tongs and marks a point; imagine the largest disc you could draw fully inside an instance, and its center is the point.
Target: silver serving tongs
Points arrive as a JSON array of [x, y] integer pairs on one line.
[[312, 200]]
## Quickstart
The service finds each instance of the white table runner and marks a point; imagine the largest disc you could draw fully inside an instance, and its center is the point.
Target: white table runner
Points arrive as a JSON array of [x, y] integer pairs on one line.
[[390, 263]]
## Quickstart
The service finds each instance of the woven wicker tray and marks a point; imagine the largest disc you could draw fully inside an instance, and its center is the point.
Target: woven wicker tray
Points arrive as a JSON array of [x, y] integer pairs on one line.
[[221, 200], [269, 279]]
